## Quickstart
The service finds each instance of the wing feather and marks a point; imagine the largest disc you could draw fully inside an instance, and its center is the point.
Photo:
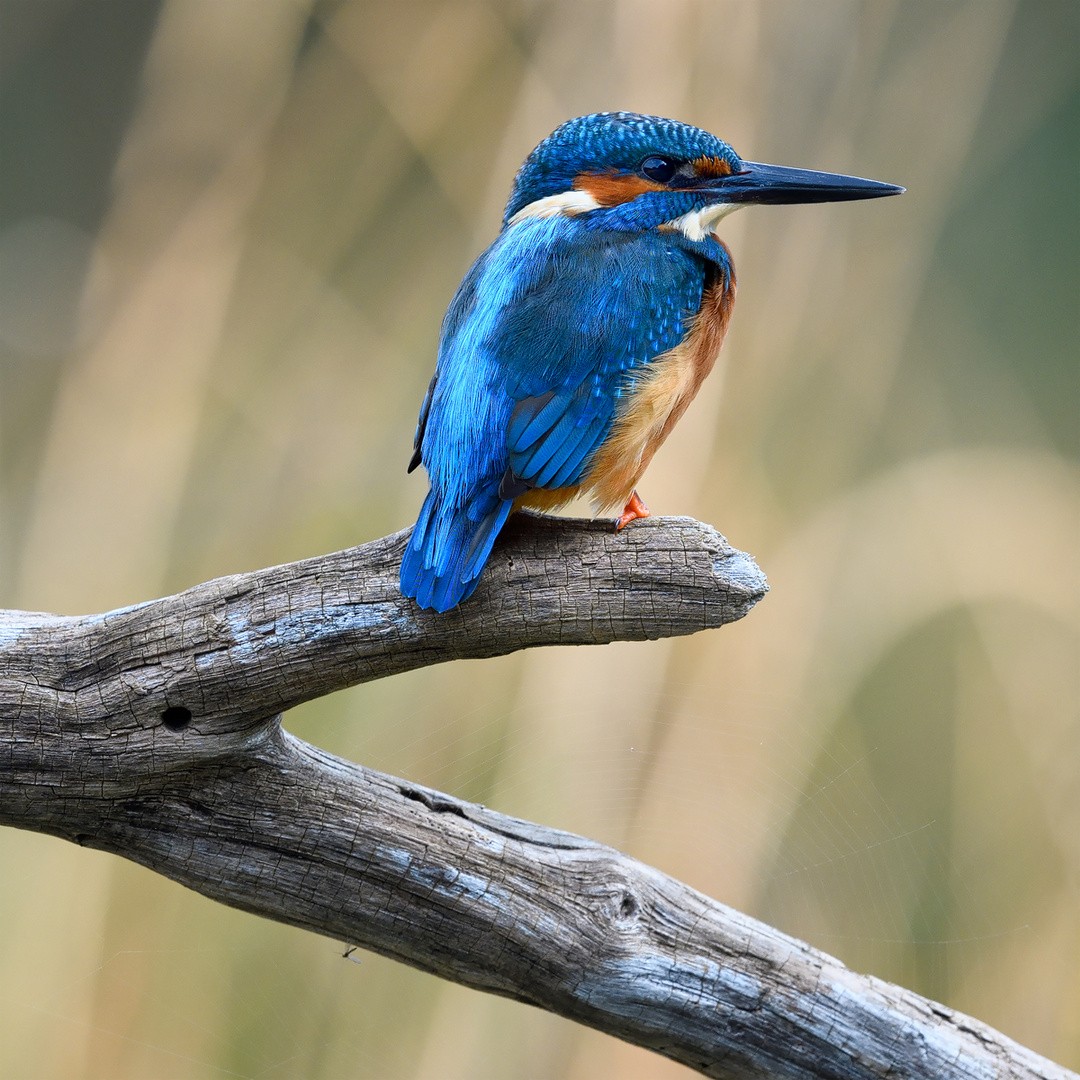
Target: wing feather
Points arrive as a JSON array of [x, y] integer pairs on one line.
[[571, 344]]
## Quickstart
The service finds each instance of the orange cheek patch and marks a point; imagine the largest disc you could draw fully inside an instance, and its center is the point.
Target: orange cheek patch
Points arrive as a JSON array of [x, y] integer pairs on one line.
[[711, 166], [611, 188]]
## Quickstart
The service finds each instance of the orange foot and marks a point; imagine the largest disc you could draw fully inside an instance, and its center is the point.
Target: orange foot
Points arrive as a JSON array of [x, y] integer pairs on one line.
[[635, 508]]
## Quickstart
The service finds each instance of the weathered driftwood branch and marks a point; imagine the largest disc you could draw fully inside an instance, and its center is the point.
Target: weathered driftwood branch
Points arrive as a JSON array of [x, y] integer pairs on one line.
[[153, 732]]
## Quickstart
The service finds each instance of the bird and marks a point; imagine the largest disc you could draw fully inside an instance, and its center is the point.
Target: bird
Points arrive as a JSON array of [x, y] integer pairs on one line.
[[576, 341]]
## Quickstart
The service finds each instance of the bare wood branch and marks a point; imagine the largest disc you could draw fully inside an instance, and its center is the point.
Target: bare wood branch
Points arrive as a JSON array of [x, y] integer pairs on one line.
[[154, 733]]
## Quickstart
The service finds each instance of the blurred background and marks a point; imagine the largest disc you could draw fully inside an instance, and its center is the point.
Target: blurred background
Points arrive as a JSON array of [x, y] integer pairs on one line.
[[228, 232]]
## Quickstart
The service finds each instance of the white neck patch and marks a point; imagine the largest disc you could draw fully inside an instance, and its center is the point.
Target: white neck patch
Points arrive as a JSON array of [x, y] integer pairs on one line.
[[694, 226], [567, 203], [699, 223]]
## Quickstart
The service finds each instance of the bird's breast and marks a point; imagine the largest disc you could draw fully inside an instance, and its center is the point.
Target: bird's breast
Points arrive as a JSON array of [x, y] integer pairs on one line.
[[659, 397]]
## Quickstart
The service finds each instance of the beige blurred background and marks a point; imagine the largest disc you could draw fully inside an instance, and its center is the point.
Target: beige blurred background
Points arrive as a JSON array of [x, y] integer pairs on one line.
[[228, 231]]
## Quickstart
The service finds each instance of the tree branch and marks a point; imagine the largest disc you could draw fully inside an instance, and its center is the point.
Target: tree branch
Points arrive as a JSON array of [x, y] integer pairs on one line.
[[153, 732]]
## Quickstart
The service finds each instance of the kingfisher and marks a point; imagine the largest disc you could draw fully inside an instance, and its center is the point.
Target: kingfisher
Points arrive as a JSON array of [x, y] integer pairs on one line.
[[578, 338]]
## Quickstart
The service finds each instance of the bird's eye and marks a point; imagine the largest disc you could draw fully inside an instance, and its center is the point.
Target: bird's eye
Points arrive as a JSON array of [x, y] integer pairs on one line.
[[657, 168]]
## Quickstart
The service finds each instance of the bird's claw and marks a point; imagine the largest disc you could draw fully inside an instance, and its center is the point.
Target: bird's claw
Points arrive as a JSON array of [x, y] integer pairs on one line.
[[635, 508]]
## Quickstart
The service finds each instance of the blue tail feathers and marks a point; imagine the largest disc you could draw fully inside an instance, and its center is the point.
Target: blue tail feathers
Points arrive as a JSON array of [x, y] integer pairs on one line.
[[449, 547]]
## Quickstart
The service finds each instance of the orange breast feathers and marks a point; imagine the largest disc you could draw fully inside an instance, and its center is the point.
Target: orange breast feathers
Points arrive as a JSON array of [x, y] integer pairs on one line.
[[663, 391]]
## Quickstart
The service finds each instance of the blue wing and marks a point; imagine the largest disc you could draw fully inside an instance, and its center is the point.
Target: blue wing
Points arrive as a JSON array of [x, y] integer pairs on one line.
[[572, 345], [544, 335]]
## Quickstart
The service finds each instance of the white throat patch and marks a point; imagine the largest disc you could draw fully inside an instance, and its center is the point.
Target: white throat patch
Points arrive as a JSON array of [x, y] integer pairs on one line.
[[699, 223]]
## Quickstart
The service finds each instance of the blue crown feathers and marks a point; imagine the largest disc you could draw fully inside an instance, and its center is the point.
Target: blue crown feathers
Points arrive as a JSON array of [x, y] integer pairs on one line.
[[605, 141]]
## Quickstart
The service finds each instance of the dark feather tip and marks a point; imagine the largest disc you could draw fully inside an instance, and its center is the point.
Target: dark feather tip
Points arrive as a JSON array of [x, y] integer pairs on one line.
[[510, 486]]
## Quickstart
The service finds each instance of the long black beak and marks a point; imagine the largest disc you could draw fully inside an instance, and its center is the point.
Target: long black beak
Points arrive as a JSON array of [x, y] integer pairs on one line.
[[776, 184]]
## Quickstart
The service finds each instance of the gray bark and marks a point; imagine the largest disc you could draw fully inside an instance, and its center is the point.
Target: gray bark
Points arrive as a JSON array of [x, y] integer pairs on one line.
[[153, 732]]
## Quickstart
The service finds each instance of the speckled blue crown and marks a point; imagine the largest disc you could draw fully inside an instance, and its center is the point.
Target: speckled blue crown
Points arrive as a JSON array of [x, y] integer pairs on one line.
[[599, 141]]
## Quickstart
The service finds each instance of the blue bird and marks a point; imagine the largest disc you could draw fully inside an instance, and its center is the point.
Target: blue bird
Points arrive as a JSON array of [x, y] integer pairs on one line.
[[578, 338]]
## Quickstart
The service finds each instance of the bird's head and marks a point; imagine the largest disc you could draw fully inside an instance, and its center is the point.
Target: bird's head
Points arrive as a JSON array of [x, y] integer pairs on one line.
[[658, 171]]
